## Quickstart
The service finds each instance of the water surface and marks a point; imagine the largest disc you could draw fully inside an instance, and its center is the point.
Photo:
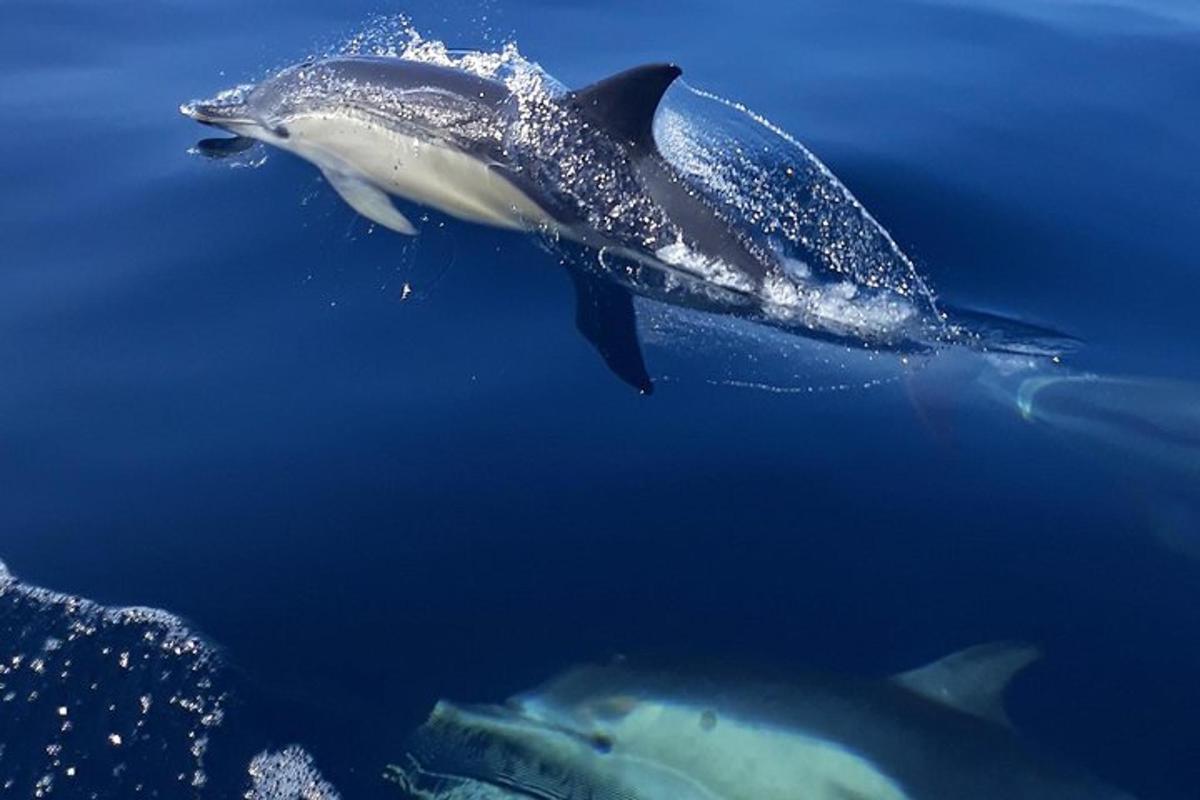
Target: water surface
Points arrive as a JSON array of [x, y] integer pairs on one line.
[[216, 402]]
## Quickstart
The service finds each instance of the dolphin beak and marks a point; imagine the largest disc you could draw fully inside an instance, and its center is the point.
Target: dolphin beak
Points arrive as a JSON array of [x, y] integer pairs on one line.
[[219, 115], [229, 108]]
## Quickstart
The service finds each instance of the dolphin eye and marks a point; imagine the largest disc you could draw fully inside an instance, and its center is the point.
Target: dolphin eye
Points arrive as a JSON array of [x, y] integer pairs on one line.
[[281, 131], [602, 743]]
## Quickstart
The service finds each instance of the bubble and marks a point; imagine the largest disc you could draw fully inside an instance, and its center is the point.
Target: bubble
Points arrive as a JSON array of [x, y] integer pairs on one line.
[[841, 271], [109, 702], [79, 679], [289, 774]]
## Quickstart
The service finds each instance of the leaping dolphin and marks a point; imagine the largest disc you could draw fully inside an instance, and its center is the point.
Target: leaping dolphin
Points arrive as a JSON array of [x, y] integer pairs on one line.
[[579, 166], [612, 732], [442, 137]]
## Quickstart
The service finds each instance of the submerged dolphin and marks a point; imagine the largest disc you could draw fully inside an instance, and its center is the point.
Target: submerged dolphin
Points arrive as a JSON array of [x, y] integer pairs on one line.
[[580, 166], [612, 733]]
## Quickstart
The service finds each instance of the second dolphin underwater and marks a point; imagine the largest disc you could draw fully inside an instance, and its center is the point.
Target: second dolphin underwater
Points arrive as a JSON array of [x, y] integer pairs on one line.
[[617, 733], [584, 167]]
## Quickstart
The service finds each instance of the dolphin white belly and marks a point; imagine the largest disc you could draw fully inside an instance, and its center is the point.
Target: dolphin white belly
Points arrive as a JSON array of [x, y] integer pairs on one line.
[[733, 759], [417, 169]]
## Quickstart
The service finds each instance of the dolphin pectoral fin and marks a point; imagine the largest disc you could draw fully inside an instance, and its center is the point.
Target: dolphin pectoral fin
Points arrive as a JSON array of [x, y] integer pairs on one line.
[[972, 680], [370, 201], [605, 316]]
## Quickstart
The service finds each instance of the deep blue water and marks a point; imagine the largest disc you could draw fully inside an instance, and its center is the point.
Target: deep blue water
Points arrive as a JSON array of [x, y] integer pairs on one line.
[[214, 400]]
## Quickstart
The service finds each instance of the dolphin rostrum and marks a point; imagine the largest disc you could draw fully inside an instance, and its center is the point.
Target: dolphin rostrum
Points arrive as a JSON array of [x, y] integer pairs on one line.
[[614, 733]]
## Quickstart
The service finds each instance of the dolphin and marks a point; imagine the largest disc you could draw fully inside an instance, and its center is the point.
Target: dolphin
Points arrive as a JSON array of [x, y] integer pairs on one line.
[[581, 167], [615, 733], [379, 127]]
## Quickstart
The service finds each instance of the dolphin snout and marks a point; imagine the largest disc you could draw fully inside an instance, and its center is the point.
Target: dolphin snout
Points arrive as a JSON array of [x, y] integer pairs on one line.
[[221, 115], [230, 107]]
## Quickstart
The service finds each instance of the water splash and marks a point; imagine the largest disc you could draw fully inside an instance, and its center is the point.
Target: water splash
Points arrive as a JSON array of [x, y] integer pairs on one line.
[[778, 190], [119, 697], [395, 36], [688, 347], [124, 702], [288, 774]]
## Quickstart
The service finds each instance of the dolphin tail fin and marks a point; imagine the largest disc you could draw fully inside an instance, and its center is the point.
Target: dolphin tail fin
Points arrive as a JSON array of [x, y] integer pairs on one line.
[[972, 680], [605, 315], [625, 104]]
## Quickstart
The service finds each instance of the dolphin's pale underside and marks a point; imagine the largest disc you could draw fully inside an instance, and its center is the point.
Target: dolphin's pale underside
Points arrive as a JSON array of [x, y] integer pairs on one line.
[[615, 733]]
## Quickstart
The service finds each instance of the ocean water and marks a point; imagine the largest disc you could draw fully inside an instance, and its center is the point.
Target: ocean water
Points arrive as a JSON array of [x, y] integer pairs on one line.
[[218, 398]]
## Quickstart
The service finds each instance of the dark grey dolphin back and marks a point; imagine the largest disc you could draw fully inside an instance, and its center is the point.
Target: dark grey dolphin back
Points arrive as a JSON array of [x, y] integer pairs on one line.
[[456, 107], [395, 74], [399, 73]]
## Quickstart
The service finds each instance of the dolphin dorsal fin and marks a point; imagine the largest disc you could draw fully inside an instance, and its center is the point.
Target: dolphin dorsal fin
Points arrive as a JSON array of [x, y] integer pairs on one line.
[[624, 105], [973, 680]]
